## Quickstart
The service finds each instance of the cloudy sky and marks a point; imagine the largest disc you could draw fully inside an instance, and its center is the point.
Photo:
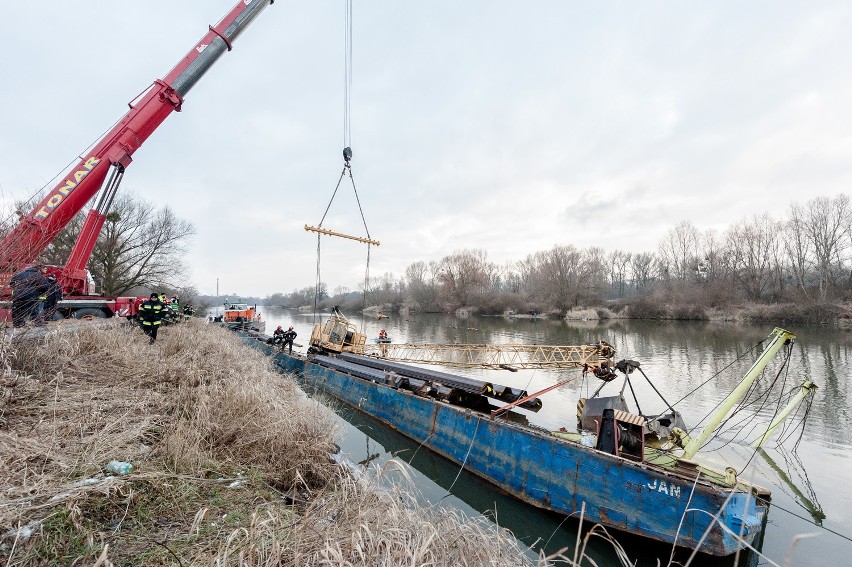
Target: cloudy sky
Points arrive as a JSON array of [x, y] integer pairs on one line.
[[507, 126]]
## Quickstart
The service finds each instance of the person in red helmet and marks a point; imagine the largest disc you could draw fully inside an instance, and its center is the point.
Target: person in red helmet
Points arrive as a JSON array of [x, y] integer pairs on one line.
[[277, 336]]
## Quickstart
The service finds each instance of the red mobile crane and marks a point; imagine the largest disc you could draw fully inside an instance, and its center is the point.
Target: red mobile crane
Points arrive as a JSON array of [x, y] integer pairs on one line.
[[109, 158]]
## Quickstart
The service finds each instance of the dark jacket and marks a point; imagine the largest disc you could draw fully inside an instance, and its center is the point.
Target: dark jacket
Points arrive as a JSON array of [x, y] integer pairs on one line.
[[152, 311], [28, 284], [53, 293], [289, 336]]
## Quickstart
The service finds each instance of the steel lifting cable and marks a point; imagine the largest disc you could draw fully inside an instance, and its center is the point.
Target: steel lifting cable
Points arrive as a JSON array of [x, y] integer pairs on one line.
[[782, 400], [784, 366], [764, 399], [347, 131], [347, 75], [737, 359], [347, 156]]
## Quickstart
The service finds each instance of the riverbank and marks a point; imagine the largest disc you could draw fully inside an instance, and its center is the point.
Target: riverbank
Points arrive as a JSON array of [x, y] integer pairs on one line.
[[232, 463], [779, 313]]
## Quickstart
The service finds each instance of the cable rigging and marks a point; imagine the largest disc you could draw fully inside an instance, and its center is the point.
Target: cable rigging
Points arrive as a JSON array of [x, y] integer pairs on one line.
[[346, 171]]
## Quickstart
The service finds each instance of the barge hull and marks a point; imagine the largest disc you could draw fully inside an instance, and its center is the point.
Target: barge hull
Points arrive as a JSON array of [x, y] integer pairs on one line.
[[551, 473]]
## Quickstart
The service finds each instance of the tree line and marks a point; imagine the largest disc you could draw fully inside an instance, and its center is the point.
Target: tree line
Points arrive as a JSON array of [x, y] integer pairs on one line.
[[803, 258]]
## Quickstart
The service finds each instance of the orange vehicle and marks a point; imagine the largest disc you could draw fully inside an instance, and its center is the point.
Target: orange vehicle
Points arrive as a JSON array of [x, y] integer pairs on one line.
[[243, 316]]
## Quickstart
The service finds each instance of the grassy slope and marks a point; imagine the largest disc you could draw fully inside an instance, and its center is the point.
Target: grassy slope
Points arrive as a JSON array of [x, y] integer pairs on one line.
[[231, 463]]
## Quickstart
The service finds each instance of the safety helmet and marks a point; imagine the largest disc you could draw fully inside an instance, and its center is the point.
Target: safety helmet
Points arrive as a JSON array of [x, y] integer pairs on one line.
[[154, 295]]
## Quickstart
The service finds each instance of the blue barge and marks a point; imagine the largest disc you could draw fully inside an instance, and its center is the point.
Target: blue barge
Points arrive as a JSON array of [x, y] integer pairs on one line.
[[680, 503]]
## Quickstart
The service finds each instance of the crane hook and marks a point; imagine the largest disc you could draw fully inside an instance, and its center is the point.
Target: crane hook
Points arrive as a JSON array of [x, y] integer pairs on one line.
[[347, 154]]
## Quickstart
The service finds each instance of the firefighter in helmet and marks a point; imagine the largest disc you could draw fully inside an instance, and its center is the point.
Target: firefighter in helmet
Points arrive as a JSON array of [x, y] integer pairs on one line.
[[151, 314]]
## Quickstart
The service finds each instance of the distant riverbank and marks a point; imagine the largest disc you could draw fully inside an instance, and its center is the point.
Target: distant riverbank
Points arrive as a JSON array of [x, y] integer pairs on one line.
[[822, 314], [642, 309]]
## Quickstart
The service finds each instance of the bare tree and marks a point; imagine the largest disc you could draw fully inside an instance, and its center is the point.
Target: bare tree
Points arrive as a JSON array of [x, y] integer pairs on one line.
[[713, 263], [558, 275], [385, 290], [799, 248], [595, 273], [753, 246], [420, 284], [678, 251], [461, 275], [563, 276], [140, 246], [642, 269], [826, 223], [619, 266]]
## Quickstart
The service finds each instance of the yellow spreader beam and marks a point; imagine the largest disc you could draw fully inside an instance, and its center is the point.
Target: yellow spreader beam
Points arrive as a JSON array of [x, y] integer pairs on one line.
[[341, 235]]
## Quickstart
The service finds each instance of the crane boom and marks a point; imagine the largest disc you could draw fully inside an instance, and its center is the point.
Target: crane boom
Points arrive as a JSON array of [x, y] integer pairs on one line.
[[496, 356], [36, 230]]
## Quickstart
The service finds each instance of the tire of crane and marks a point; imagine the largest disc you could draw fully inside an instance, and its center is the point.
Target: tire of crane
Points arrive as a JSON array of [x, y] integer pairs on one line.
[[57, 316], [89, 313]]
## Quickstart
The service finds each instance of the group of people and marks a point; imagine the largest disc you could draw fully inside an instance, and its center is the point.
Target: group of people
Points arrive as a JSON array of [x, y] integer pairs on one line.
[[35, 295], [156, 311], [283, 338]]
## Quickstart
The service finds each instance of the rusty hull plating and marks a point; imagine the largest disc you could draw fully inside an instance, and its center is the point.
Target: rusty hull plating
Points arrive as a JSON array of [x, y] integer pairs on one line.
[[548, 472]]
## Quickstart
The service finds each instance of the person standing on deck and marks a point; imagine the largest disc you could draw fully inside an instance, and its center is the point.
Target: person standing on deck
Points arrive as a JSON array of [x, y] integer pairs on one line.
[[151, 314], [289, 336]]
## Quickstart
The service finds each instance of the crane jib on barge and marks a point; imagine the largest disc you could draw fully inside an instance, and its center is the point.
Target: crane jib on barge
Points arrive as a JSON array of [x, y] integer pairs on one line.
[[107, 161]]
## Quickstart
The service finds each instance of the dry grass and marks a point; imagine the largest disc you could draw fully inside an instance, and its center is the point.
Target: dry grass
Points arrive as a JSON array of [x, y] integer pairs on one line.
[[387, 528], [231, 464]]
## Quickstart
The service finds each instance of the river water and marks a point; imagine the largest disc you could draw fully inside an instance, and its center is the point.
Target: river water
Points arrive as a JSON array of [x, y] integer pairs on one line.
[[809, 473]]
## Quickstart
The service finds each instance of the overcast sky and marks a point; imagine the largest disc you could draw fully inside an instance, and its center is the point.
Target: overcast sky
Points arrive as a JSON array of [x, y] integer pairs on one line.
[[507, 126]]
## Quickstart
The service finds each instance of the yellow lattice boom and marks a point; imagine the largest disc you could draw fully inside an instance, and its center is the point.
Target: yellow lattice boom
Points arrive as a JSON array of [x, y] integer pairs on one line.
[[508, 356]]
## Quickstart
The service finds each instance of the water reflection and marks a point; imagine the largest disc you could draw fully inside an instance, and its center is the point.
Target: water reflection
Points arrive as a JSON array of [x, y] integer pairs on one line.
[[678, 357], [805, 496]]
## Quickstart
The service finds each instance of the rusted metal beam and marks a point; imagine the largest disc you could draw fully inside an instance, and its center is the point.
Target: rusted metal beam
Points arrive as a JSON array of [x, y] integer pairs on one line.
[[341, 235], [519, 401]]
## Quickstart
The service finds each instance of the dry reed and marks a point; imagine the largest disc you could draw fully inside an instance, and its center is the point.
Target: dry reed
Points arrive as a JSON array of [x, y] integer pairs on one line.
[[231, 463]]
